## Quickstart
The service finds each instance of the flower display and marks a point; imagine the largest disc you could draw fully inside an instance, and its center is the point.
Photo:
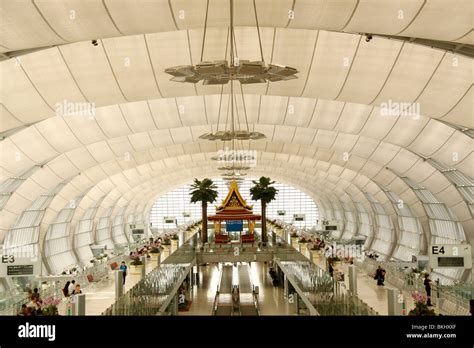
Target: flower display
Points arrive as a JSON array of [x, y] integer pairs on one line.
[[49, 306], [421, 306]]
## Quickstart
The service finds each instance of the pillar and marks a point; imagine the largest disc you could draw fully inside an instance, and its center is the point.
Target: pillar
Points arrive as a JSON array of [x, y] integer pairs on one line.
[[118, 284], [395, 302], [353, 279], [143, 259], [80, 304]]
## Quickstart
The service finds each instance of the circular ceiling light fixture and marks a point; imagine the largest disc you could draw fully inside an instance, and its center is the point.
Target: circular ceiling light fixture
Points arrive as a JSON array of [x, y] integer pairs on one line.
[[235, 167], [228, 135]]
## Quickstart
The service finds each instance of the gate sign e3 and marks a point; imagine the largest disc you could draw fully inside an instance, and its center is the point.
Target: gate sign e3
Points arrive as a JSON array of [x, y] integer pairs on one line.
[[450, 256], [13, 266]]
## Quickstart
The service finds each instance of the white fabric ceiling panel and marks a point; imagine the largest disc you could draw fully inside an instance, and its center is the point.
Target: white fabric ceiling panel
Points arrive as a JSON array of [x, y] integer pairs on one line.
[[397, 185], [436, 182], [138, 116], [17, 203], [120, 146], [396, 15], [154, 16], [158, 153], [353, 118], [81, 158], [33, 145], [15, 35], [252, 107], [169, 49], [46, 177], [111, 121], [95, 174], [63, 167], [364, 147], [111, 167], [185, 160], [420, 171], [372, 64], [29, 189], [455, 149], [132, 68], [8, 121], [344, 143], [197, 131], [281, 157], [270, 13], [140, 141], [86, 130], [274, 147], [462, 113], [190, 148], [58, 134], [207, 146], [462, 213], [142, 157], [92, 72], [13, 160], [355, 162], [304, 136], [433, 136], [323, 154], [322, 166], [348, 175], [403, 161], [291, 148], [181, 135], [316, 14], [450, 82], [449, 195], [161, 137], [50, 75], [273, 110], [384, 177], [405, 129], [287, 42], [299, 111], [412, 70], [465, 166], [16, 88], [331, 64], [371, 169], [378, 125], [100, 151], [435, 20], [284, 134], [165, 113], [76, 20], [384, 153], [326, 114], [325, 138], [175, 150], [191, 111], [306, 152]]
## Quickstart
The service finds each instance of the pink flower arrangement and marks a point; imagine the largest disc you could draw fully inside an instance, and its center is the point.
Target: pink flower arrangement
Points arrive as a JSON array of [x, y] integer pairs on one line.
[[51, 301], [418, 297]]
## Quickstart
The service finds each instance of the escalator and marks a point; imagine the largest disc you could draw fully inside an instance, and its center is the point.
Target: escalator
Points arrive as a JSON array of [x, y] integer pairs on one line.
[[235, 295]]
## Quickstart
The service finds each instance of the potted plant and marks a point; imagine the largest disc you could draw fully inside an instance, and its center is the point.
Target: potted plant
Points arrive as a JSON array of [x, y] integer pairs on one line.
[[336, 262], [421, 307], [154, 253], [49, 306], [136, 266], [294, 238], [303, 244], [174, 240], [315, 251]]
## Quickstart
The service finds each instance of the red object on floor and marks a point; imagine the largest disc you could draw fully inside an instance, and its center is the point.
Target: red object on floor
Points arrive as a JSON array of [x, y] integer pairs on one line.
[[247, 238], [222, 238], [186, 307]]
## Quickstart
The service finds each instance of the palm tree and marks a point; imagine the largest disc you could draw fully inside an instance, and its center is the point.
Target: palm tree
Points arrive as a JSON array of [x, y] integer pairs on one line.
[[265, 193], [204, 191]]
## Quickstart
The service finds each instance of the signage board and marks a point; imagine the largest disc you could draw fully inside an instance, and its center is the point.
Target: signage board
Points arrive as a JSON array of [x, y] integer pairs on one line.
[[299, 217], [450, 256], [169, 219], [281, 212], [13, 266], [233, 225]]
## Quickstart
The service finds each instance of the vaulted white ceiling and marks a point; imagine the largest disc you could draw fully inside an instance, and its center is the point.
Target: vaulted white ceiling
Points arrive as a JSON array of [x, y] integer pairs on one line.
[[326, 131]]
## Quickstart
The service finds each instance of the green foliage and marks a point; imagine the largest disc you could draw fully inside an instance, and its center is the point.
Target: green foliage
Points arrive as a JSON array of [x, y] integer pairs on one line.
[[262, 191], [136, 262], [203, 191]]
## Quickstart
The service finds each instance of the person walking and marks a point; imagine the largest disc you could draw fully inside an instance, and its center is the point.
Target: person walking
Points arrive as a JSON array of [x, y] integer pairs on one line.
[[427, 284], [71, 287], [380, 276], [123, 268]]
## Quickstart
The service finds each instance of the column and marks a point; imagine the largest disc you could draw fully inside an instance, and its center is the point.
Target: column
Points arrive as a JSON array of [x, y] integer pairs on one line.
[[395, 302], [80, 304], [353, 279], [118, 284], [143, 259]]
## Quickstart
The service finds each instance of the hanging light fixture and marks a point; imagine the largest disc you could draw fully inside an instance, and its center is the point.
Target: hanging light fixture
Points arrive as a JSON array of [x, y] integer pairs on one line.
[[220, 72]]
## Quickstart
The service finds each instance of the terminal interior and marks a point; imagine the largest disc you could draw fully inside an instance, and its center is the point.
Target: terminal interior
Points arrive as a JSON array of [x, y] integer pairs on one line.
[[359, 113]]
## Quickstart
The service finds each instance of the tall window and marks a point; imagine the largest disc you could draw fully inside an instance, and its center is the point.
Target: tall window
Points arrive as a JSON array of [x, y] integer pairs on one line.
[[290, 201]]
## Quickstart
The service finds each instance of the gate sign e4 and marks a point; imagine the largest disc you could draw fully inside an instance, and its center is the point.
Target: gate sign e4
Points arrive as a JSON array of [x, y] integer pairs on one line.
[[450, 256]]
